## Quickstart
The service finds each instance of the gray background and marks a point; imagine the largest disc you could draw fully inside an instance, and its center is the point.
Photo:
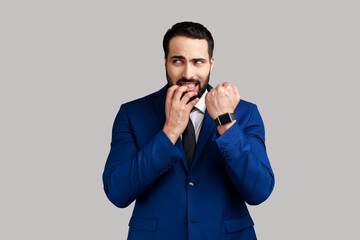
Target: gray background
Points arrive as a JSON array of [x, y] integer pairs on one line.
[[66, 67]]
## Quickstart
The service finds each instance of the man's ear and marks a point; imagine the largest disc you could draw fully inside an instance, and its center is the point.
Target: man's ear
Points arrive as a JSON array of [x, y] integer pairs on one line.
[[211, 63], [165, 61]]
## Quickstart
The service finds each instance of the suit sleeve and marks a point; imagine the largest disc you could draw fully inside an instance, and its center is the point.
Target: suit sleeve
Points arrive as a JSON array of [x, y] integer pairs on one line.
[[247, 162], [130, 171]]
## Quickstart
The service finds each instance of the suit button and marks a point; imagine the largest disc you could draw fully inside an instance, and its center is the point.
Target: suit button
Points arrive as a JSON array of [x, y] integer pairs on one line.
[[191, 184]]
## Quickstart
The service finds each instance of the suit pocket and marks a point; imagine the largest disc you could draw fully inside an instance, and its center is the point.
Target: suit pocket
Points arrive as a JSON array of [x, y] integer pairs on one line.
[[237, 224], [143, 224]]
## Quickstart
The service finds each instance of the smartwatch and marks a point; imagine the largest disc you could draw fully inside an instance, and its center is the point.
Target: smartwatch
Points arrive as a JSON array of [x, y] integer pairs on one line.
[[224, 119]]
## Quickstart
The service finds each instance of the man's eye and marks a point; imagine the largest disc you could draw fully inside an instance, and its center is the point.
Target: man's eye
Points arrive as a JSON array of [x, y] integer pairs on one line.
[[178, 62], [199, 61]]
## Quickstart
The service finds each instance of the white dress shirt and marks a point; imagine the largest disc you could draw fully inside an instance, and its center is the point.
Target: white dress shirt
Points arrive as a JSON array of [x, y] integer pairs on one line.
[[197, 115]]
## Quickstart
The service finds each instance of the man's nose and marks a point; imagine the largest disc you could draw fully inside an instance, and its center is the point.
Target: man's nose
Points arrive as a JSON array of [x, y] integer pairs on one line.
[[188, 72]]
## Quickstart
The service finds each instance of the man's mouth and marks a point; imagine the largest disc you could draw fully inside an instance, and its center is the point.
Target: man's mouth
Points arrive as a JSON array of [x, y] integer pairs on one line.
[[190, 85]]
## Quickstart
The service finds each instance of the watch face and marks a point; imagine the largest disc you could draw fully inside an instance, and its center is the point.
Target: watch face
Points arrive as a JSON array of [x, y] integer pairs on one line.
[[225, 118]]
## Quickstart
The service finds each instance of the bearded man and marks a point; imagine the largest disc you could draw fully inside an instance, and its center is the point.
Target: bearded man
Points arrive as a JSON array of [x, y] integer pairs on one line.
[[191, 155]]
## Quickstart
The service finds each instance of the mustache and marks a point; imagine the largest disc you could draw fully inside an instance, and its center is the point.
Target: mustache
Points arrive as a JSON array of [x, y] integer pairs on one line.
[[187, 80]]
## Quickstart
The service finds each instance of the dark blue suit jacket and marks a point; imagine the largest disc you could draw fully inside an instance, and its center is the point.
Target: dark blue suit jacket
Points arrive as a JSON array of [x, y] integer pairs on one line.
[[174, 202]]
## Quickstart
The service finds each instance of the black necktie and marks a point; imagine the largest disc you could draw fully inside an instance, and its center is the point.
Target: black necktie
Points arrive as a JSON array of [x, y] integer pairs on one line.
[[189, 142]]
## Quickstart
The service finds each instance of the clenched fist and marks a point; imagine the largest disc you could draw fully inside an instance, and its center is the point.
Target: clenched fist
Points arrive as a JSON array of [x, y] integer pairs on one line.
[[177, 110], [222, 99]]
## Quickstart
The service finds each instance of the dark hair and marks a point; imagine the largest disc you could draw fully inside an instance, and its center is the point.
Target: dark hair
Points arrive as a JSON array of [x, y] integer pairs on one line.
[[191, 30]]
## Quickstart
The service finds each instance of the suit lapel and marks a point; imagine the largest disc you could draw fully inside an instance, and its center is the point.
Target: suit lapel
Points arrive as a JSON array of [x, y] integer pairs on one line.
[[206, 131], [180, 146]]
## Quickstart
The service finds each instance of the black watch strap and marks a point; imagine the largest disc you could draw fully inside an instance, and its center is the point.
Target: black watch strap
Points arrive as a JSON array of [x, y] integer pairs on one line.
[[225, 118]]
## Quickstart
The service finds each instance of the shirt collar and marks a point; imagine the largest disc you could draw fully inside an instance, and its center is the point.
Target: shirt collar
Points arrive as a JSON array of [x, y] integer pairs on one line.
[[201, 104]]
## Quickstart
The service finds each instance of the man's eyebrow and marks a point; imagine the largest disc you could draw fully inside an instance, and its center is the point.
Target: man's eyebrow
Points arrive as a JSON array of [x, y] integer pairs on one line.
[[178, 57], [198, 59], [193, 60]]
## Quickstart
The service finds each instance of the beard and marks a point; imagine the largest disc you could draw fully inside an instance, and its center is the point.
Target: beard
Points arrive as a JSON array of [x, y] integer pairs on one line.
[[201, 90]]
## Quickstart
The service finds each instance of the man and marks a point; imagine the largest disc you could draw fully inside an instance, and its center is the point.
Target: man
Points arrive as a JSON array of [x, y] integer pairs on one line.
[[190, 155]]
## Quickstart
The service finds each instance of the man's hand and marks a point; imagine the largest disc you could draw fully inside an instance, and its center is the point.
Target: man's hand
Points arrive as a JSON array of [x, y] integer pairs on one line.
[[177, 111], [222, 99]]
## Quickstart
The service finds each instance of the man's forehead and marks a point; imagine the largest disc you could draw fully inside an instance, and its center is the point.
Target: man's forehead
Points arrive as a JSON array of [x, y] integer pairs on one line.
[[188, 47]]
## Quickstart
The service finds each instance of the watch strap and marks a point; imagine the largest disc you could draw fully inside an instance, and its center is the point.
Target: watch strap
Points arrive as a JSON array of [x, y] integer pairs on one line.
[[225, 118]]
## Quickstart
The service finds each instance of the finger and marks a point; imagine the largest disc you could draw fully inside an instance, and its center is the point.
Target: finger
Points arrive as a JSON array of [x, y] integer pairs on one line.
[[179, 92], [237, 94], [226, 84], [211, 94], [207, 97], [191, 104], [228, 87], [170, 93], [219, 89], [185, 99], [235, 90]]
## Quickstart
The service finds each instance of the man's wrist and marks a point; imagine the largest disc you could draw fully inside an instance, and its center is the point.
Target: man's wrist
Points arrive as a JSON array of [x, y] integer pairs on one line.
[[225, 118], [172, 136], [223, 128]]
